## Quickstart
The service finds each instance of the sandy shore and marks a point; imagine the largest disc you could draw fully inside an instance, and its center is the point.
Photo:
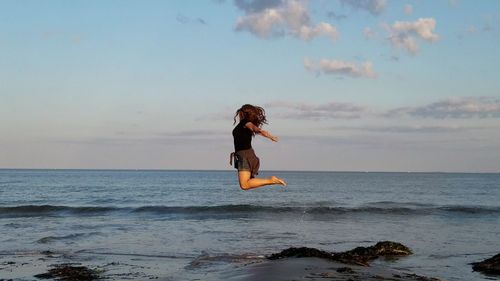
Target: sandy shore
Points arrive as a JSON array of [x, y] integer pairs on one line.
[[316, 269], [26, 267]]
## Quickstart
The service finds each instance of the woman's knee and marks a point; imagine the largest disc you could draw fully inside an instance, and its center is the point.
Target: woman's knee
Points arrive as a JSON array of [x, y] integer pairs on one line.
[[244, 184], [243, 178]]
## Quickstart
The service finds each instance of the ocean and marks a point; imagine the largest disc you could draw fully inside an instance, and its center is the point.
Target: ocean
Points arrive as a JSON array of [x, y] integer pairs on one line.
[[194, 225]]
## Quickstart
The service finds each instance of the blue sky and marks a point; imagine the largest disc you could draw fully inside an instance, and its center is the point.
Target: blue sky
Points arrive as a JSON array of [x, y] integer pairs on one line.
[[364, 85]]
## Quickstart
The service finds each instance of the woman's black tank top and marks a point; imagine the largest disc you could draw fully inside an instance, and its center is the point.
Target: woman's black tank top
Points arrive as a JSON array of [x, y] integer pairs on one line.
[[242, 136]]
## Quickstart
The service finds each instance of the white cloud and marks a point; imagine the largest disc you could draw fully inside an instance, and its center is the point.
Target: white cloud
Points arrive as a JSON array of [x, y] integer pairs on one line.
[[468, 107], [339, 67], [452, 108], [326, 29], [404, 35], [283, 18], [412, 129], [422, 27], [332, 110], [375, 7], [408, 9]]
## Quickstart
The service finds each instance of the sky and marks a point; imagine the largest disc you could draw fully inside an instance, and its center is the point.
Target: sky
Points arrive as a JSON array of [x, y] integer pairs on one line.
[[347, 85]]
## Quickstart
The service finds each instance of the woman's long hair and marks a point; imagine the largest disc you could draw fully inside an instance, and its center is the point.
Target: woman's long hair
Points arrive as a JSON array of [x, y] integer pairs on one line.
[[252, 113]]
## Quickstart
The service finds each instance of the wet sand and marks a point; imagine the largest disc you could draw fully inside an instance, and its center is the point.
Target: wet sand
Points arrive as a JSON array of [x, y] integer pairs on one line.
[[112, 267], [317, 269], [81, 267]]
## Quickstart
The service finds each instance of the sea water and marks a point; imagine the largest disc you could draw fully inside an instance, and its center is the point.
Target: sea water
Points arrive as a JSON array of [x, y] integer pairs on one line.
[[200, 222]]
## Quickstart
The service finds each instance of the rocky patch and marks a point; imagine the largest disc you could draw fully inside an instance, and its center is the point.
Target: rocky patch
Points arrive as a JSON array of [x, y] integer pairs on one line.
[[69, 272], [359, 256], [489, 266]]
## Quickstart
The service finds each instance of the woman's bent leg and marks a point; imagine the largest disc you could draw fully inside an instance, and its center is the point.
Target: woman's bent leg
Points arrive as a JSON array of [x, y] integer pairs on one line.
[[249, 183]]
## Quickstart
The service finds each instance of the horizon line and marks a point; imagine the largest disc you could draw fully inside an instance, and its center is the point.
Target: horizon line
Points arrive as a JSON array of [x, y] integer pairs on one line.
[[229, 170]]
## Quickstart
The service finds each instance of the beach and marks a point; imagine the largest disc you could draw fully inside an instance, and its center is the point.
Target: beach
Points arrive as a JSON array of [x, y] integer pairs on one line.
[[198, 225], [115, 267]]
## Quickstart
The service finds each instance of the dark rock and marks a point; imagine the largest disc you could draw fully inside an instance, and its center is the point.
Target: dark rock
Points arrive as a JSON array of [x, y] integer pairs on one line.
[[44, 276], [363, 255], [388, 248], [345, 270], [47, 252], [302, 252], [358, 256], [66, 272], [489, 266]]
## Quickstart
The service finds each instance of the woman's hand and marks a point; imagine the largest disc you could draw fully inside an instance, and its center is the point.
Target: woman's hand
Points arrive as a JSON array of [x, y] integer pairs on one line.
[[268, 135]]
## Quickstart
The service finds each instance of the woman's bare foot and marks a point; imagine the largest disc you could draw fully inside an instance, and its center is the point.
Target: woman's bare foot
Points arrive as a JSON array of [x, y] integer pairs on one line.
[[277, 180]]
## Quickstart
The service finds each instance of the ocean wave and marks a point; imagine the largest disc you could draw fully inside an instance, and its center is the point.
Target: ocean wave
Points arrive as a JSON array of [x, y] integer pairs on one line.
[[73, 236], [47, 210], [470, 209], [246, 210], [10, 182]]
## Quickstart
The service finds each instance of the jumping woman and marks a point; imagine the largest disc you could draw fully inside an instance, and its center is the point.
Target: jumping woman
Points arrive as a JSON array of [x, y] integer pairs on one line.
[[251, 118]]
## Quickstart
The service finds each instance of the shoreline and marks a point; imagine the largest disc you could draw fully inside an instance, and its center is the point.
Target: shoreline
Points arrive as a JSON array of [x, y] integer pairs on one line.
[[39, 266], [289, 264]]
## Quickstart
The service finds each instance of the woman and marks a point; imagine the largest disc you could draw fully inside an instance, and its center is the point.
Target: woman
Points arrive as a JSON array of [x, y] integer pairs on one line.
[[251, 120]]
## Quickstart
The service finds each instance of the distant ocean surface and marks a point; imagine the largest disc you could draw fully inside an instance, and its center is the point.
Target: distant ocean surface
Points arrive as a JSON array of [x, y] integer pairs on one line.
[[449, 220]]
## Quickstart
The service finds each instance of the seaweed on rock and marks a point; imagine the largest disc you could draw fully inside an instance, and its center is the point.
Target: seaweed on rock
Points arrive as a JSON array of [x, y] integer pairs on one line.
[[68, 272], [359, 255], [489, 266]]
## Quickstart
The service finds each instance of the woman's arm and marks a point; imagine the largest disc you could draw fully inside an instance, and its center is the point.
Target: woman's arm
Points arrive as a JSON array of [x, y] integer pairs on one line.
[[261, 132]]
